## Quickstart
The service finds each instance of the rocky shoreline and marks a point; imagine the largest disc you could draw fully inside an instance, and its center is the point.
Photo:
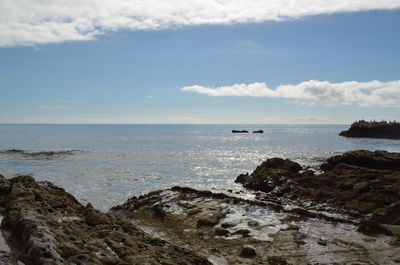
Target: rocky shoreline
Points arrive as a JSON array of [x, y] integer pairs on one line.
[[44, 224], [348, 214]]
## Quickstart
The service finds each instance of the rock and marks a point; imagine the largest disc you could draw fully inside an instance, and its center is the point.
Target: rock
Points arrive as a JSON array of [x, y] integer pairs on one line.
[[221, 232], [373, 129], [240, 131], [269, 174], [228, 224], [243, 232], [276, 261], [259, 131], [210, 220], [49, 226], [362, 158], [322, 242], [356, 183], [282, 241], [253, 223], [373, 228], [248, 252]]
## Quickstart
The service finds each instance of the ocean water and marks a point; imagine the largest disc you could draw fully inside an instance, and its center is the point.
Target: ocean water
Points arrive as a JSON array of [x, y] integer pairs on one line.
[[107, 164]]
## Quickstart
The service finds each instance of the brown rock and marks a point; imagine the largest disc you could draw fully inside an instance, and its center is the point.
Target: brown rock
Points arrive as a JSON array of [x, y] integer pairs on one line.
[[248, 252]]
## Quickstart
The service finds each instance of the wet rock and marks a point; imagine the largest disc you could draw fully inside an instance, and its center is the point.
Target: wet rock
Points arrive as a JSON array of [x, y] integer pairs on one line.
[[356, 183], [228, 224], [210, 220], [373, 228], [221, 232], [282, 237], [258, 131], [243, 232], [253, 223], [248, 252], [322, 242]]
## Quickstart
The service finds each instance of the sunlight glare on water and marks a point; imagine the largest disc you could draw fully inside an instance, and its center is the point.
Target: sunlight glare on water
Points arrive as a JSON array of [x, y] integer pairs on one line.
[[110, 163]]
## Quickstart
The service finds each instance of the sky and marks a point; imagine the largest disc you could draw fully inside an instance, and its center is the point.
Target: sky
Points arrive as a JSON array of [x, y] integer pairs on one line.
[[201, 62]]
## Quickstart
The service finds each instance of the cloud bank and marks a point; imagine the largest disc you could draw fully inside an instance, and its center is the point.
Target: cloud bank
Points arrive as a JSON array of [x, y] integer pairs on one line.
[[30, 22], [374, 93]]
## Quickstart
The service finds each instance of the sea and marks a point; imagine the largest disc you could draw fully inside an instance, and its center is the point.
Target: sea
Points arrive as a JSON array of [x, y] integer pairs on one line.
[[107, 164]]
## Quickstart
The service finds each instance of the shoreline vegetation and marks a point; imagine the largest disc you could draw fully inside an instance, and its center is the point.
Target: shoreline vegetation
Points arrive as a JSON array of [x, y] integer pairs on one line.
[[373, 129], [348, 214]]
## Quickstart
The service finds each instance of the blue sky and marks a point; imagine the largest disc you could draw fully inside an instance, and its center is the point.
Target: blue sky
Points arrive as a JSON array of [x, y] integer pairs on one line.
[[187, 73]]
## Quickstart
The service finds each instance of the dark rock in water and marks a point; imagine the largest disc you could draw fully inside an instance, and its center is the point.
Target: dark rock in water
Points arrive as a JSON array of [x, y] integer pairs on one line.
[[248, 252], [240, 131], [259, 131], [356, 183], [367, 159], [373, 129]]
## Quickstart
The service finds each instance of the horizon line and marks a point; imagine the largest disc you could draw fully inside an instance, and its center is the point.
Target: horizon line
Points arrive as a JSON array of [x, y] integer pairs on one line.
[[175, 123]]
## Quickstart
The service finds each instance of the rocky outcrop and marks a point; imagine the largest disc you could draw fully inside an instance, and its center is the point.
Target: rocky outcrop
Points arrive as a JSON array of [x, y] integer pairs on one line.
[[373, 129], [238, 231], [269, 174], [240, 131], [258, 131], [367, 159], [46, 225], [358, 183]]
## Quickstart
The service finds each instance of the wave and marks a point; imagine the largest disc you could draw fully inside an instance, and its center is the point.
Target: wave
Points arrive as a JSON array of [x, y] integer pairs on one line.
[[313, 159], [40, 154]]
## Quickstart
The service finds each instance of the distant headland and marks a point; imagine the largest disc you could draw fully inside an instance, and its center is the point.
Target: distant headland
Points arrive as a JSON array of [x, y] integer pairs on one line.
[[373, 129]]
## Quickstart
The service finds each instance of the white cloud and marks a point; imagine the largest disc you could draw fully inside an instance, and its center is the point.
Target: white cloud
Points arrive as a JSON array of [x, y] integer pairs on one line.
[[29, 22], [374, 93], [240, 90]]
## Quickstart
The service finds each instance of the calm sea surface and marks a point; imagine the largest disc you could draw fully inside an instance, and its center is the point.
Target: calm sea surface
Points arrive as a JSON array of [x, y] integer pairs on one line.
[[107, 164]]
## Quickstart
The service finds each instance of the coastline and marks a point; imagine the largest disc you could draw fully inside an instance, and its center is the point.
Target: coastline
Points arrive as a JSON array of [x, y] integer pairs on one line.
[[219, 228]]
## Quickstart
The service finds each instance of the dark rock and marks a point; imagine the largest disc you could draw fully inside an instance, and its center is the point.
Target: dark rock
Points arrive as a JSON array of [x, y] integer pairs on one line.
[[240, 131], [259, 131], [276, 261], [367, 159], [248, 252], [243, 232], [322, 242], [269, 174], [373, 228], [253, 223], [221, 232], [373, 129], [356, 183], [228, 224]]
